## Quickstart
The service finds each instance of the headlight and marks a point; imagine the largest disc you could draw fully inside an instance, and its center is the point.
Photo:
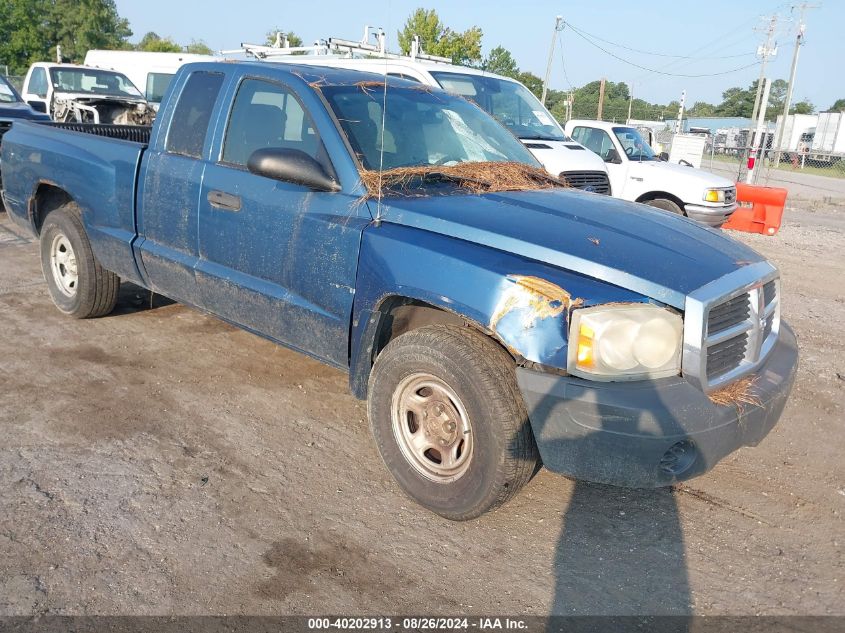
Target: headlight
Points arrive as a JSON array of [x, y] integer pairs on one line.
[[625, 342], [714, 195]]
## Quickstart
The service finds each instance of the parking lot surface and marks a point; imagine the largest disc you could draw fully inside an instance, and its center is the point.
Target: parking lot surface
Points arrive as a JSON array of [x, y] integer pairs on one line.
[[160, 461]]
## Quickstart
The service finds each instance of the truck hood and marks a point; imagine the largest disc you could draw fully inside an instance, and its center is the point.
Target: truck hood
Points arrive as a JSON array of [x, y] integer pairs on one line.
[[87, 97], [561, 156], [636, 247], [681, 175]]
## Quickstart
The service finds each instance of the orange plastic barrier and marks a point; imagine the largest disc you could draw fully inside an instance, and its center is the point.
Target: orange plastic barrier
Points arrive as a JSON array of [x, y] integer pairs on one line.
[[765, 213]]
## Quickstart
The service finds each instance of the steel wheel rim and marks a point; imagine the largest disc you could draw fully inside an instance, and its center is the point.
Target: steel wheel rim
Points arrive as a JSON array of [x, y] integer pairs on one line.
[[63, 265], [432, 428]]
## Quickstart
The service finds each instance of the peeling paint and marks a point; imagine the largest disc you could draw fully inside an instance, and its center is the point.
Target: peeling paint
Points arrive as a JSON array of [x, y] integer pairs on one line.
[[538, 298]]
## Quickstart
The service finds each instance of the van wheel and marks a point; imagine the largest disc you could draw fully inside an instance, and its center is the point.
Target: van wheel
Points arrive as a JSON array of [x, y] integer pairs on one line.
[[78, 285], [666, 205], [449, 420]]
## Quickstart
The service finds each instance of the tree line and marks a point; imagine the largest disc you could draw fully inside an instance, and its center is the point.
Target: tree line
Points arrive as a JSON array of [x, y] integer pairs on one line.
[[30, 30]]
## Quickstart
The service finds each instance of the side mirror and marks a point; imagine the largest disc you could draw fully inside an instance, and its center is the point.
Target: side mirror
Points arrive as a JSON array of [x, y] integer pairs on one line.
[[291, 165], [38, 106], [664, 156], [612, 156]]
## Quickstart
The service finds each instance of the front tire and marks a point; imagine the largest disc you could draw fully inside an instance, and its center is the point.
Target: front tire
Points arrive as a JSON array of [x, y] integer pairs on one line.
[[79, 286], [666, 205], [450, 422]]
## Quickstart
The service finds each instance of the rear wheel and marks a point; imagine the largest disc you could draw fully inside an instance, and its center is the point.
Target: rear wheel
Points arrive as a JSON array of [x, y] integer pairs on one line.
[[79, 286], [450, 422], [666, 205]]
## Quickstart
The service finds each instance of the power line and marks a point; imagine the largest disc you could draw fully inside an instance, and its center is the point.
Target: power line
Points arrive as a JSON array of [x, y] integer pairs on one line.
[[639, 50], [655, 70]]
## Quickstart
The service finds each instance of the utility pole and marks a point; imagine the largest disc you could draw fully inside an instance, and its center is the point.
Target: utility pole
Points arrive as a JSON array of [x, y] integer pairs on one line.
[[753, 157], [630, 103], [799, 41], [558, 28], [765, 51], [679, 125], [601, 99]]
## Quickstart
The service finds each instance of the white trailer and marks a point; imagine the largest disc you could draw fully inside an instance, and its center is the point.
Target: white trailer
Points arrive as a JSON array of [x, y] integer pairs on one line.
[[795, 127], [830, 134]]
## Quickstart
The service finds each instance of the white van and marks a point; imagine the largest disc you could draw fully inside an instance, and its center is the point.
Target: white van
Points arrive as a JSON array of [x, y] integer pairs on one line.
[[510, 102], [151, 72]]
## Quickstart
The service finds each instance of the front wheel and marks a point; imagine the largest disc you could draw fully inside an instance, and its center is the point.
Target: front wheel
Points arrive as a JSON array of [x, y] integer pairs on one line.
[[666, 205], [79, 286], [450, 422]]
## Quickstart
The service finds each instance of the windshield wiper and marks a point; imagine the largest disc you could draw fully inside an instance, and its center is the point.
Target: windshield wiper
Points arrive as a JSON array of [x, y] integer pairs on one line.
[[539, 137], [442, 176]]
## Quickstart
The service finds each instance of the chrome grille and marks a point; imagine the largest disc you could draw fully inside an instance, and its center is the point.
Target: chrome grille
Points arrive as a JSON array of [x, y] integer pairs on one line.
[[594, 181], [730, 325]]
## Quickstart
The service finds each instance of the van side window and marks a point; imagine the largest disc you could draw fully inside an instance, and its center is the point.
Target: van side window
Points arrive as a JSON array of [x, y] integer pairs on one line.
[[189, 126], [267, 115], [38, 82], [157, 84]]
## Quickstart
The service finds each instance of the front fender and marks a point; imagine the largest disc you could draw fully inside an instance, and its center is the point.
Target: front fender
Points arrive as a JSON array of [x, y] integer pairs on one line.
[[524, 304]]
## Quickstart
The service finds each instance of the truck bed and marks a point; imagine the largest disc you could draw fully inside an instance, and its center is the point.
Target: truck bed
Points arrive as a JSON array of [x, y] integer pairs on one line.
[[98, 163]]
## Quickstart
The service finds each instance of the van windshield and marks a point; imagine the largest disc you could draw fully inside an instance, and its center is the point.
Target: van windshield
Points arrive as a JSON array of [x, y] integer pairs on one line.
[[93, 81], [422, 127], [511, 103]]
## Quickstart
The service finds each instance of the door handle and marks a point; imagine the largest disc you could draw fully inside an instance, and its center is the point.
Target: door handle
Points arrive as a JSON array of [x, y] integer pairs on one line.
[[224, 201]]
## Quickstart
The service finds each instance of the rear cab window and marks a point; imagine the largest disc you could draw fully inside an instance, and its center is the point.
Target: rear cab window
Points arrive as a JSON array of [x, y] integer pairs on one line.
[[189, 126]]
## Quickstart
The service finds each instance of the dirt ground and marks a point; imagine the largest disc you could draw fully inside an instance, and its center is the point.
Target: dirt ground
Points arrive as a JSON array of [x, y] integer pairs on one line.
[[159, 461]]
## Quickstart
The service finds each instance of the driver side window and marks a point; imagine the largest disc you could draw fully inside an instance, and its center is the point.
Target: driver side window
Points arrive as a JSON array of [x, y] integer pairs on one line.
[[38, 82]]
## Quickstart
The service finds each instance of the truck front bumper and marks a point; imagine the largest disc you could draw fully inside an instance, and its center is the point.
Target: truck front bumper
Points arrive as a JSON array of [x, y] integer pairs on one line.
[[650, 433], [714, 216]]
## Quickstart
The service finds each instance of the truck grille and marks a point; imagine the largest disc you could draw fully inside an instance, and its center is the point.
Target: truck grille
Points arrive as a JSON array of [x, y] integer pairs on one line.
[[738, 328], [731, 325], [594, 181]]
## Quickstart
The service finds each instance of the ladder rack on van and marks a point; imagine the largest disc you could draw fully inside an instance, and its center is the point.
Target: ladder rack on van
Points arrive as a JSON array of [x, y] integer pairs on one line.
[[340, 47]]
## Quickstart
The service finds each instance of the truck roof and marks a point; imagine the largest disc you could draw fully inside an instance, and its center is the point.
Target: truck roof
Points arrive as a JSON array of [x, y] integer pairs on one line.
[[602, 125]]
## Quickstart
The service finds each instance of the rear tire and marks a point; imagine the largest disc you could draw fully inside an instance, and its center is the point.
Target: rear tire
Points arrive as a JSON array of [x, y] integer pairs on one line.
[[79, 286], [666, 205], [449, 420]]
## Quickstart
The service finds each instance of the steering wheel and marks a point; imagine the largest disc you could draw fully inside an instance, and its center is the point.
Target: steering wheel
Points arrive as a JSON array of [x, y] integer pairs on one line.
[[629, 151]]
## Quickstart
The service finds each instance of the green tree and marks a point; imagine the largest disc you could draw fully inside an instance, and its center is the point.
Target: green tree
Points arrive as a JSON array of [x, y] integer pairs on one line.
[[802, 107], [500, 61], [438, 39], [273, 36], [30, 30], [531, 81], [838, 106], [153, 43], [701, 108], [198, 47]]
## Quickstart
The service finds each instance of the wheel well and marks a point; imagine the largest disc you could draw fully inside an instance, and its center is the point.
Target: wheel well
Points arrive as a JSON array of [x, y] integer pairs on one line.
[[402, 315], [47, 198], [654, 195]]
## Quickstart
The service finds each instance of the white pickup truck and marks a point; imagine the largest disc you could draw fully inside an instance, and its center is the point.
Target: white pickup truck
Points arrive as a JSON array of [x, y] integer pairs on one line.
[[78, 94], [638, 174]]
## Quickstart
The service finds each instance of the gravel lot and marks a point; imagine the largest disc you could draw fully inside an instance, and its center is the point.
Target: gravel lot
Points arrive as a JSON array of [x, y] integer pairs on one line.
[[159, 461]]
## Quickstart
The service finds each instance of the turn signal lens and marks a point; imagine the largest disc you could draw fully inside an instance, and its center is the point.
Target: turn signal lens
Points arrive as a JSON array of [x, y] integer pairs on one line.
[[714, 195]]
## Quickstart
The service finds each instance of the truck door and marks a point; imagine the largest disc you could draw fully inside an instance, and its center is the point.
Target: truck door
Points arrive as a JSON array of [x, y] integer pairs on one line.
[[169, 193], [276, 257], [599, 142]]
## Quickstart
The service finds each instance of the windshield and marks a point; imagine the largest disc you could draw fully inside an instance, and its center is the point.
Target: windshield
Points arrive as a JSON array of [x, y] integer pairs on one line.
[[93, 81], [511, 103], [633, 144], [7, 93], [421, 127]]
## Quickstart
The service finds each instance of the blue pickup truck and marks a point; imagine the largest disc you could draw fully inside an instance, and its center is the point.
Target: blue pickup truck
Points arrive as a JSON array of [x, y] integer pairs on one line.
[[491, 326]]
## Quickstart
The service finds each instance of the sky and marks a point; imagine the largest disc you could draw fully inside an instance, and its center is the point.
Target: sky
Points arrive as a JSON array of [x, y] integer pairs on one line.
[[679, 37]]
